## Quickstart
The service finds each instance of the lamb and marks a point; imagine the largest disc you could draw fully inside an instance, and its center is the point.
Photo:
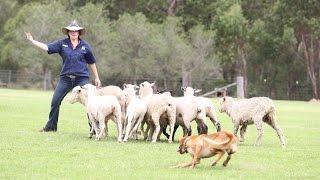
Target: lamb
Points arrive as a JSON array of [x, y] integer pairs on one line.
[[99, 109], [255, 110], [187, 110], [159, 106], [209, 108], [117, 92], [135, 111]]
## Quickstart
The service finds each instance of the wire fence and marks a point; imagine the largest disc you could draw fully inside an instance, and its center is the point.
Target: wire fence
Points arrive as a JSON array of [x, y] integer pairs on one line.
[[297, 91]]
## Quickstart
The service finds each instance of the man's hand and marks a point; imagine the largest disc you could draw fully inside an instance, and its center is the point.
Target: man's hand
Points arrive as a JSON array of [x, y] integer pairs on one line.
[[28, 36], [97, 82]]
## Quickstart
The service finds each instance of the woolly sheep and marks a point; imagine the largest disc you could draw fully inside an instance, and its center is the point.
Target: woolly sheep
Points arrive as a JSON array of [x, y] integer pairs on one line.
[[159, 105], [209, 108], [187, 110], [135, 111], [99, 109], [255, 110]]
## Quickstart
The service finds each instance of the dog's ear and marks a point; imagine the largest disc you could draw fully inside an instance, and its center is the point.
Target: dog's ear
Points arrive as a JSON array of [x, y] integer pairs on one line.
[[182, 139]]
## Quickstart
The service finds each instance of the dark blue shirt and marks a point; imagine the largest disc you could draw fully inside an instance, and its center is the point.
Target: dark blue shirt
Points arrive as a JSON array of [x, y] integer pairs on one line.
[[74, 61]]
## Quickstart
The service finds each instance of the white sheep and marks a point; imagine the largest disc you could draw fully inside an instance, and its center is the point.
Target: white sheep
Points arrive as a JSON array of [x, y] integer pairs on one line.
[[255, 110], [209, 108], [99, 109], [159, 106], [117, 92], [135, 111], [189, 109]]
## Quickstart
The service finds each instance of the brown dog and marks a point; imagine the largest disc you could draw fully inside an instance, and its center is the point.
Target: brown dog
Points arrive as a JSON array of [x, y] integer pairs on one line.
[[205, 146]]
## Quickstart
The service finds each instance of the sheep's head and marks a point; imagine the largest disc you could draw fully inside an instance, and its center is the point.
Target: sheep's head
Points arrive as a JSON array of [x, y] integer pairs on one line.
[[224, 103], [75, 94], [189, 91], [90, 88], [130, 89], [145, 88]]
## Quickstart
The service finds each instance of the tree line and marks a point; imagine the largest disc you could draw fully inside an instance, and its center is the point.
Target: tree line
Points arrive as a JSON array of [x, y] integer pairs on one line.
[[273, 44]]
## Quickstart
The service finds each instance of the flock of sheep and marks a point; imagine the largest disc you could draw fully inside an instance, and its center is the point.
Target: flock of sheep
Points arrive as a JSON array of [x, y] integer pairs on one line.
[[130, 111]]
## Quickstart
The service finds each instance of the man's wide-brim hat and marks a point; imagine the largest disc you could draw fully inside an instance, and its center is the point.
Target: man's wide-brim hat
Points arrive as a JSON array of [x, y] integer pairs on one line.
[[73, 26]]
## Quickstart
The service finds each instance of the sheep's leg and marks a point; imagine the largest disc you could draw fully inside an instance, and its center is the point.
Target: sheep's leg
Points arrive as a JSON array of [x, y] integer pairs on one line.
[[102, 126], [128, 129], [151, 129], [164, 131], [220, 154], [236, 127], [187, 121], [174, 131], [243, 130], [276, 127], [258, 123], [135, 127], [119, 125], [156, 122], [214, 120], [172, 122]]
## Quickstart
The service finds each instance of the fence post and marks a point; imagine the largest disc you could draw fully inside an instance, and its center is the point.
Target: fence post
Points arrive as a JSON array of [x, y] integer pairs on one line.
[[240, 90], [9, 77]]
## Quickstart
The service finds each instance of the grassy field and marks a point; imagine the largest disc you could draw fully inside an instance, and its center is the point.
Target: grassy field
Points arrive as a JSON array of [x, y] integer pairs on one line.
[[69, 154]]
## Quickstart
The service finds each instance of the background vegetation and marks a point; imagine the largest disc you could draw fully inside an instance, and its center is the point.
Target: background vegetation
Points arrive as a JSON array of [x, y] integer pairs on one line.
[[273, 44]]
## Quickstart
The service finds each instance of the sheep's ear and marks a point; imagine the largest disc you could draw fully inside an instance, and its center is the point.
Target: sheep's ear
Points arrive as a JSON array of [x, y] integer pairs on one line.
[[124, 86], [183, 89], [197, 90]]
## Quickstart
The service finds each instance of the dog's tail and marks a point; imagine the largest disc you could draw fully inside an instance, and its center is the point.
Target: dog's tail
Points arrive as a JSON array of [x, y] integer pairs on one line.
[[219, 145], [216, 143]]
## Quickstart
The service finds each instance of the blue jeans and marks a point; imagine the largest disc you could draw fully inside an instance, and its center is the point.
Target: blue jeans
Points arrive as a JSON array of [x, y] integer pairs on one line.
[[65, 84]]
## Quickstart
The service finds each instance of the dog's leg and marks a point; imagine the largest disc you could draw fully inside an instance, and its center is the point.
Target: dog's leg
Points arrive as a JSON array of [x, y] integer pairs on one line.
[[196, 158], [243, 130], [219, 156], [183, 165], [225, 163], [258, 123]]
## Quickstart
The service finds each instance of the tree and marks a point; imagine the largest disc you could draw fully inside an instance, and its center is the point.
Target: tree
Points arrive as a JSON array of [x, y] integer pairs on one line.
[[304, 18], [232, 38]]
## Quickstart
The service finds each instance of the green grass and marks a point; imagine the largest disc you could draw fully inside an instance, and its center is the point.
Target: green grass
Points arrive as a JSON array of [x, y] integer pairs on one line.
[[69, 154]]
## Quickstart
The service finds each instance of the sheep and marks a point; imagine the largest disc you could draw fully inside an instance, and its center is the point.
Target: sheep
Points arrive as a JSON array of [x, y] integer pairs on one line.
[[117, 92], [209, 108], [99, 109], [187, 110], [255, 110], [135, 111], [160, 106]]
